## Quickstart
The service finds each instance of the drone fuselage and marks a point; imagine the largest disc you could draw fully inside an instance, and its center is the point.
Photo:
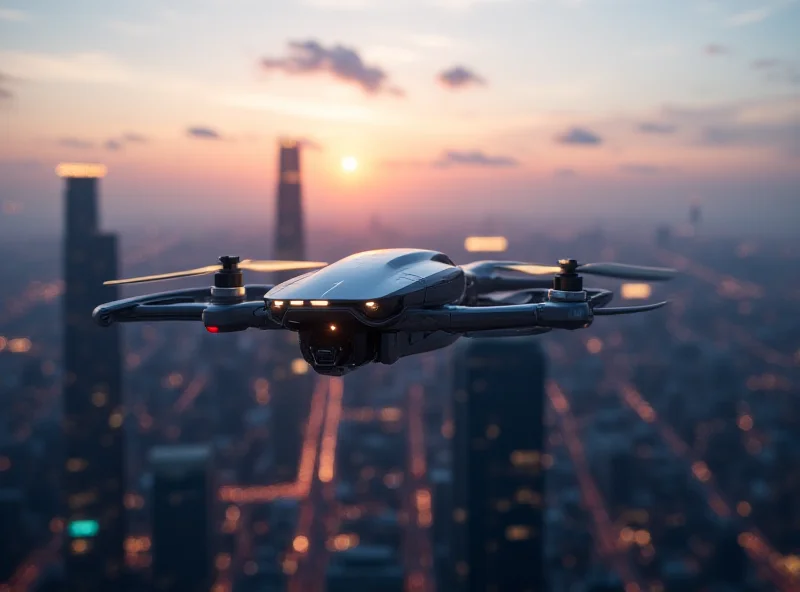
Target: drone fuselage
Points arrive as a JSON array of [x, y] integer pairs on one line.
[[339, 311]]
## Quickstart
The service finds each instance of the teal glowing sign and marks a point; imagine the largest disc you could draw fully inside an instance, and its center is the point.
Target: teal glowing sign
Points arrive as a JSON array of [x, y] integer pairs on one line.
[[83, 528]]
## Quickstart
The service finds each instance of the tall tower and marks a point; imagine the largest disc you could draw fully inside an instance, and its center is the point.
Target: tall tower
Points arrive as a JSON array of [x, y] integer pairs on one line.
[[93, 472], [498, 482], [291, 385], [182, 499], [289, 232]]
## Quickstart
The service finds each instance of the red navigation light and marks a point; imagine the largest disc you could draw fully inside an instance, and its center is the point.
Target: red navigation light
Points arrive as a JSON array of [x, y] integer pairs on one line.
[[212, 329]]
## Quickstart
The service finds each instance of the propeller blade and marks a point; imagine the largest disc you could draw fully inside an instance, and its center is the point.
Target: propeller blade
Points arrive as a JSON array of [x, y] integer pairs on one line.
[[628, 309], [532, 269], [267, 266], [628, 272], [166, 276], [613, 270]]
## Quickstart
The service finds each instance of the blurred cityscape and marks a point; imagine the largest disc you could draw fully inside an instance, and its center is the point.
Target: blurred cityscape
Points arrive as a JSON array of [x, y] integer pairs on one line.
[[650, 453]]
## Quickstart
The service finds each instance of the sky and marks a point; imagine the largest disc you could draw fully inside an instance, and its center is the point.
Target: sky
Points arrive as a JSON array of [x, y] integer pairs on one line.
[[453, 109]]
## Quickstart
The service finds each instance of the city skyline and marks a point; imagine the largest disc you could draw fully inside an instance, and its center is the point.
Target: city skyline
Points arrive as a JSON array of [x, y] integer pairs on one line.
[[608, 106]]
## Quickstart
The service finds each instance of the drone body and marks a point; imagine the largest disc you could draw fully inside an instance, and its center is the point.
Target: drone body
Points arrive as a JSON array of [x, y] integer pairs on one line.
[[380, 306]]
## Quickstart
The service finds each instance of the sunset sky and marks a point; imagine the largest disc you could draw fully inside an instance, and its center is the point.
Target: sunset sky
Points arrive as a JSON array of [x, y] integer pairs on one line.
[[533, 107]]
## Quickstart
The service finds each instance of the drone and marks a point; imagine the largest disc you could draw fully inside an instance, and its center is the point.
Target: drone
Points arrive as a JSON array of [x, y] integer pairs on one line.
[[382, 305]]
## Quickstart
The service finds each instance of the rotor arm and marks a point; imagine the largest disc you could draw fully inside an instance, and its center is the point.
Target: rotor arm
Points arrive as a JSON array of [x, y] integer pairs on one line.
[[467, 319], [107, 314]]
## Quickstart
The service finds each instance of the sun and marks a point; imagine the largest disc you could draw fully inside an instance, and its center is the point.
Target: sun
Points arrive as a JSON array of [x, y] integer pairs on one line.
[[349, 164]]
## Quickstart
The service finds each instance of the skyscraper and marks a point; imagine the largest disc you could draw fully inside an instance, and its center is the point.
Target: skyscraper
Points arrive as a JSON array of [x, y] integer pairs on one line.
[[182, 498], [289, 231], [498, 483], [291, 385], [93, 472]]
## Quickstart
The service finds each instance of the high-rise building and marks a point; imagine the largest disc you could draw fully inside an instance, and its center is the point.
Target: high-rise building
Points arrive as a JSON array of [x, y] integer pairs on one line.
[[289, 231], [93, 472], [498, 480], [291, 385], [181, 500], [15, 540]]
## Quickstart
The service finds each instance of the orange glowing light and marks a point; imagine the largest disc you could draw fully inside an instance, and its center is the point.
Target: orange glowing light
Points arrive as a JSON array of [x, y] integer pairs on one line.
[[299, 366], [78, 170], [636, 291], [349, 164], [19, 345], [486, 244], [594, 345], [300, 544]]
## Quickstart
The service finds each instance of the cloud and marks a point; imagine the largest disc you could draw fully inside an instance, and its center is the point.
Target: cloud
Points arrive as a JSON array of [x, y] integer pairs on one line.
[[766, 64], [204, 133], [473, 158], [778, 70], [748, 17], [338, 61], [652, 127], [12, 15], [579, 136], [783, 136], [5, 93], [113, 145], [714, 49], [640, 168], [75, 143], [458, 77], [134, 138]]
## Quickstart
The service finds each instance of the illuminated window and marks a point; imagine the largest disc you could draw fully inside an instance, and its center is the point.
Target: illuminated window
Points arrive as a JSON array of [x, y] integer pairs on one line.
[[79, 547], [635, 291], [486, 244], [291, 177], [528, 496], [83, 528], [99, 398], [525, 458], [115, 419], [493, 431], [518, 533]]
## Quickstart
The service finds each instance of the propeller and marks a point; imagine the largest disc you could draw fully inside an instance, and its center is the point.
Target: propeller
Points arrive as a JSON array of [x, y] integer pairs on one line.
[[227, 264], [613, 270]]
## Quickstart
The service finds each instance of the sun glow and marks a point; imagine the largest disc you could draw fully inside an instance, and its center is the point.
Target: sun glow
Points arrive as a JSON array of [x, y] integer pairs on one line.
[[349, 164]]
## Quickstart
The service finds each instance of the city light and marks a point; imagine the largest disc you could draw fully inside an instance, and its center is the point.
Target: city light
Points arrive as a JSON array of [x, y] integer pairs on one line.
[[299, 366], [486, 244], [636, 291], [20, 345], [83, 528], [81, 170]]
